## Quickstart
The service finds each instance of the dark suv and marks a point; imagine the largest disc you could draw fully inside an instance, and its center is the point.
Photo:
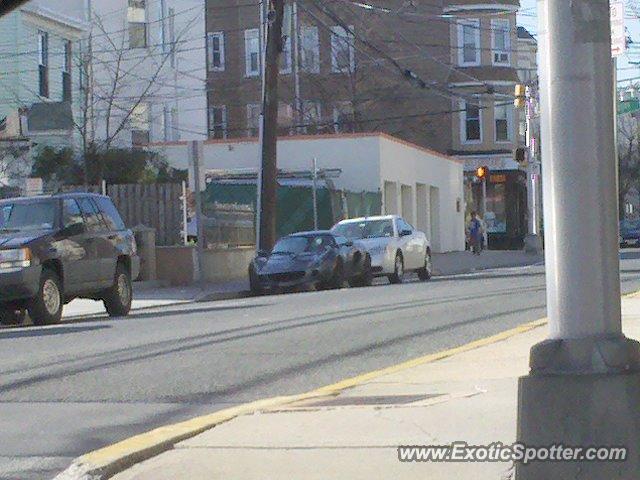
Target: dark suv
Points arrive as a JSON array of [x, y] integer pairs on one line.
[[57, 248]]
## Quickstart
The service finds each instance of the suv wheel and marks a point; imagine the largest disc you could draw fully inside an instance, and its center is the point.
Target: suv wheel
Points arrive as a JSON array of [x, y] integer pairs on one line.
[[117, 300], [46, 307], [398, 270]]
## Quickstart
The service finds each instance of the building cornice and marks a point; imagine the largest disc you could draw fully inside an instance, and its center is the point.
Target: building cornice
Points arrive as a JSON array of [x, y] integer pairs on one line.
[[481, 7], [61, 21]]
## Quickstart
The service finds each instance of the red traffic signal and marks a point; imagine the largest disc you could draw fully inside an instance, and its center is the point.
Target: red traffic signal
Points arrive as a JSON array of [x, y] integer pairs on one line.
[[482, 172]]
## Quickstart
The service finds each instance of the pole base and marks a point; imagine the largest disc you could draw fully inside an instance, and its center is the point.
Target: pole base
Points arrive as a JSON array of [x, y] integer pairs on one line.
[[533, 244], [582, 392], [580, 411]]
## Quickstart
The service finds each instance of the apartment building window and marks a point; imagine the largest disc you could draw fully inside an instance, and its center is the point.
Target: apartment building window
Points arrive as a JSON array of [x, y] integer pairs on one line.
[[343, 117], [218, 122], [172, 36], [137, 20], [163, 26], [252, 52], [310, 49], [140, 124], [500, 41], [285, 57], [215, 51], [285, 118], [503, 115], [471, 125], [43, 63], [66, 72], [311, 116], [469, 42], [342, 50], [253, 119]]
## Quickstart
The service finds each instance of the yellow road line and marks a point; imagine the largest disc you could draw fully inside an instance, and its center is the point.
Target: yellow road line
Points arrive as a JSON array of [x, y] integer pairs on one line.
[[112, 459]]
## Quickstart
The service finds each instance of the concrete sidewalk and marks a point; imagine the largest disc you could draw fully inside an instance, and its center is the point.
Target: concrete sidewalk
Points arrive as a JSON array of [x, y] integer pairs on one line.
[[149, 295], [453, 263], [469, 396]]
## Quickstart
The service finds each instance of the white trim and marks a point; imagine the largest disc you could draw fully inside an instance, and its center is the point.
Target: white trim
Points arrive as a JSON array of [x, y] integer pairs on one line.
[[220, 37], [497, 83], [501, 7], [495, 22], [463, 124], [250, 35], [340, 33], [474, 23]]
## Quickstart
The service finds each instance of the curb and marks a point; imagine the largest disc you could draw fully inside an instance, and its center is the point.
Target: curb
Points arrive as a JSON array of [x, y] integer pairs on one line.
[[205, 297], [108, 461]]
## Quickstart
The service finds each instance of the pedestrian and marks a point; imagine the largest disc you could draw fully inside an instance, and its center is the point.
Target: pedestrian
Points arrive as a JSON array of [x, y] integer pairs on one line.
[[475, 234]]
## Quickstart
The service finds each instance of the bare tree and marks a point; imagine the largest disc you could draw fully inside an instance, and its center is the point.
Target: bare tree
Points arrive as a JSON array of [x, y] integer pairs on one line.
[[628, 157], [118, 82]]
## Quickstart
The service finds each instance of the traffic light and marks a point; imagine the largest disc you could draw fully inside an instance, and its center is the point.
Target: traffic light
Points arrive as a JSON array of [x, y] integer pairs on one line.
[[482, 173], [521, 96]]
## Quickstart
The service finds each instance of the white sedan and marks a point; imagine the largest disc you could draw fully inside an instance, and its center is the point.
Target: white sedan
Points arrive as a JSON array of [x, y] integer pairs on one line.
[[394, 245]]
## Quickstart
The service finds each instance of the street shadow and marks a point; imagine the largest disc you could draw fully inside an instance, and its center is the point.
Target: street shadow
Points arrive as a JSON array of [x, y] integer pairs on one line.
[[165, 347], [47, 331], [153, 313]]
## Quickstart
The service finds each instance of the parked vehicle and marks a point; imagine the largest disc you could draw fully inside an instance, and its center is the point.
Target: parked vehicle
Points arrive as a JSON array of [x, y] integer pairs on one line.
[[320, 259], [394, 245], [57, 248], [630, 233]]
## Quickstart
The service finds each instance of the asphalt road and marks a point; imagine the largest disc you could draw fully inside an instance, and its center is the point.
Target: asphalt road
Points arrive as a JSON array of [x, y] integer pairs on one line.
[[75, 387]]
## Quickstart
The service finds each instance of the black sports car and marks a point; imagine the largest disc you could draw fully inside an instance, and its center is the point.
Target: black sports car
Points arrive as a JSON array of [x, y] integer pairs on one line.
[[319, 259]]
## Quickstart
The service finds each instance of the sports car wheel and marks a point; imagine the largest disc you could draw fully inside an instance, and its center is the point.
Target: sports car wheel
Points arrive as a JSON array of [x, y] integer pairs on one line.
[[336, 281], [366, 277], [254, 283], [398, 270], [425, 272]]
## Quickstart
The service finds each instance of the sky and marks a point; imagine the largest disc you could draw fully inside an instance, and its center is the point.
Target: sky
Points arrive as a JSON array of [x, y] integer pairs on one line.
[[626, 71]]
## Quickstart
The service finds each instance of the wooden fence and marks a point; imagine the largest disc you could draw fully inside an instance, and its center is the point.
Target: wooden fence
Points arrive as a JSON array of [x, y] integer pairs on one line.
[[155, 205]]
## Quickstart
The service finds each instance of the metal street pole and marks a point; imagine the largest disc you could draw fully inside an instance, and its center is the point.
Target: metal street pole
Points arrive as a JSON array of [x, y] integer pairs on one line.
[[315, 193], [263, 45], [196, 151], [185, 220], [583, 387], [485, 236]]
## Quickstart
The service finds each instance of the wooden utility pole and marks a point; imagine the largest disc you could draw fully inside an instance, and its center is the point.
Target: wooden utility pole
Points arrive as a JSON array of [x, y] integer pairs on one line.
[[269, 182]]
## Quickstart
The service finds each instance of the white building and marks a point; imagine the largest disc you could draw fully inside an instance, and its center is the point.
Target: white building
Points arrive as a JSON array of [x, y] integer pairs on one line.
[[423, 186], [39, 87], [148, 68]]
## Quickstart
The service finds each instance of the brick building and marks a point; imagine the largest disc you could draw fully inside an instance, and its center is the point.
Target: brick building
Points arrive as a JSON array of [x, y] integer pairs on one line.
[[439, 74]]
